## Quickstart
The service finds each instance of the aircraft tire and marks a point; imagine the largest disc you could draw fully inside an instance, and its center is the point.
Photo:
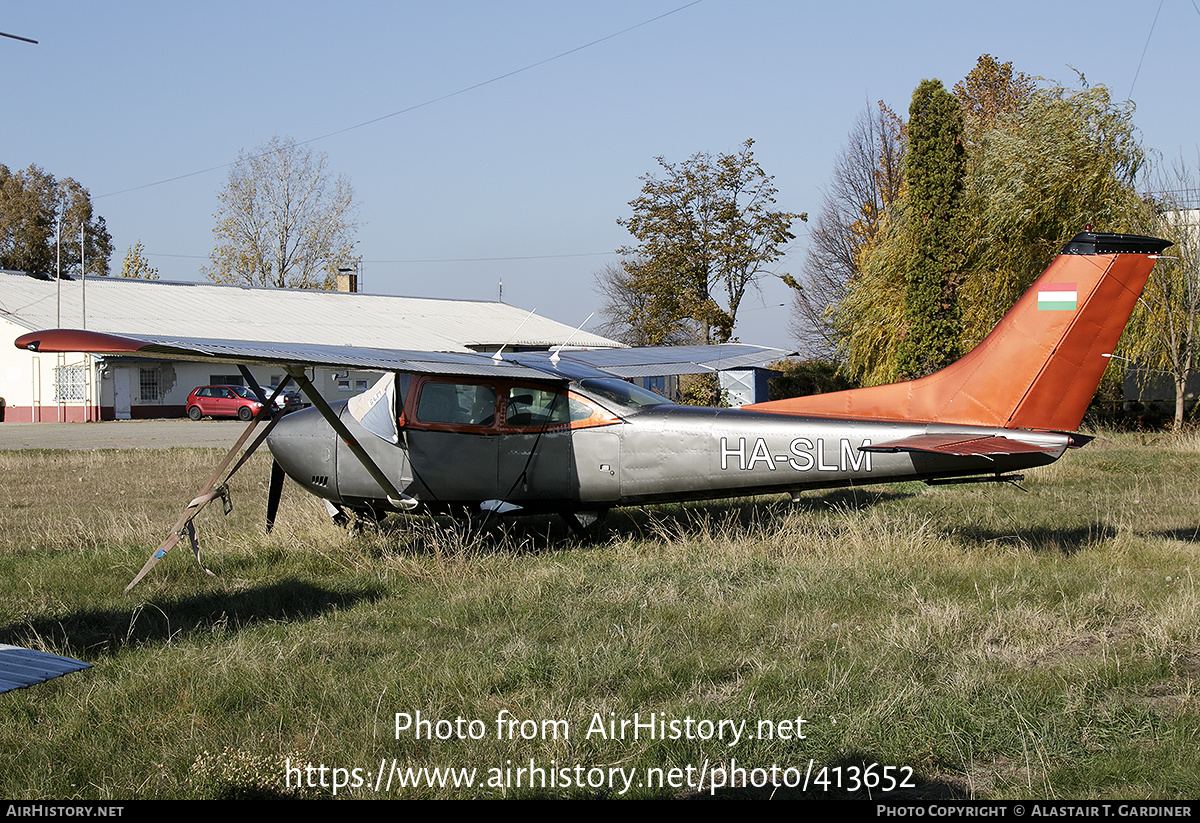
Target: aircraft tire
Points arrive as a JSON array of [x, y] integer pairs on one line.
[[194, 413]]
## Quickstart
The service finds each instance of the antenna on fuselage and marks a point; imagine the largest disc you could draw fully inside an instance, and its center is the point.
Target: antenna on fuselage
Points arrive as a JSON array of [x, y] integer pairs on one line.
[[497, 356], [554, 358]]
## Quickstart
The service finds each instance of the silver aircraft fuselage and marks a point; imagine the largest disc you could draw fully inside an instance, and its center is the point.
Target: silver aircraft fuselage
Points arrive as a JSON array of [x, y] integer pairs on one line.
[[647, 454]]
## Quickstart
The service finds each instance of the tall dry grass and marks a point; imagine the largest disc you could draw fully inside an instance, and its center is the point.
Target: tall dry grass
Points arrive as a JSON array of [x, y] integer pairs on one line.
[[1000, 642]]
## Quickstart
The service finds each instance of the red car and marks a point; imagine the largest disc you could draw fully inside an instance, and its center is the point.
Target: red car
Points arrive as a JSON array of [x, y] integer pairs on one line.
[[222, 401]]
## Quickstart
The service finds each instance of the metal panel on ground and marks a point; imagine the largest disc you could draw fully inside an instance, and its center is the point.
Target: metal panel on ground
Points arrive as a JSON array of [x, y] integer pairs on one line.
[[25, 667]]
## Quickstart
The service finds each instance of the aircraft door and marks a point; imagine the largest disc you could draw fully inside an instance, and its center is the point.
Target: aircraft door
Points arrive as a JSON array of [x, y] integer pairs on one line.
[[451, 467], [535, 446], [452, 442]]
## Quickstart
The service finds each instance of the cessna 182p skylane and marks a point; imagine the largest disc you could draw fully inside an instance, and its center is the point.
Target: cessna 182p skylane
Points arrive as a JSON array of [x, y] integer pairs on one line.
[[562, 432]]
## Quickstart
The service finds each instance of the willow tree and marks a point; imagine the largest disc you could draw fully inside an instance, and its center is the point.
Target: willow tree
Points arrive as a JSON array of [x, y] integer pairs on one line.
[[867, 320], [1066, 160], [866, 182]]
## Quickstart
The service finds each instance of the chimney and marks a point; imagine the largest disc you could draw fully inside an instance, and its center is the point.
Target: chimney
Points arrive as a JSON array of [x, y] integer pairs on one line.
[[347, 281]]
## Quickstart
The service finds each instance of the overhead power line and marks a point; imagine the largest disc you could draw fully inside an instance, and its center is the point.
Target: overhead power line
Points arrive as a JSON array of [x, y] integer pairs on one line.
[[422, 105], [432, 259]]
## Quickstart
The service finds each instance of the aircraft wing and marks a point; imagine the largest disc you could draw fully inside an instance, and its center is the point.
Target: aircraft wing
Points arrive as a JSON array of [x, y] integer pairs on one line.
[[961, 445], [632, 362], [250, 352], [25, 667]]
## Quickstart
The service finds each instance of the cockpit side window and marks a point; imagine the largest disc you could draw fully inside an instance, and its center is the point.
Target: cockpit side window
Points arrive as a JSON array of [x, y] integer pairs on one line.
[[536, 407]]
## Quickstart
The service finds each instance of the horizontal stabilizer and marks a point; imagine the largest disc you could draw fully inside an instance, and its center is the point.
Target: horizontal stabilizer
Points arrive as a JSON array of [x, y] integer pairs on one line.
[[961, 446], [25, 667]]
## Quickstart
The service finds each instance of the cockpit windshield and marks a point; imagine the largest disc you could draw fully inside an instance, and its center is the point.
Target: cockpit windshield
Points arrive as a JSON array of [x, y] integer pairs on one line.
[[621, 393]]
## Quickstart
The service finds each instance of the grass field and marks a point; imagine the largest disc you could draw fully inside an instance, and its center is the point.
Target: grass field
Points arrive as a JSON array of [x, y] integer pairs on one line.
[[973, 641]]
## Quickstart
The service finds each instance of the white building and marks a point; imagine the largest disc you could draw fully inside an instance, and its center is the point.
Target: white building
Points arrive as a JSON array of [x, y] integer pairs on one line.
[[79, 387]]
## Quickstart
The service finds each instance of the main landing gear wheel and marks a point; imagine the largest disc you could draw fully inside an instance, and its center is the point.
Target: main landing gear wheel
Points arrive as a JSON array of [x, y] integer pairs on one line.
[[585, 524]]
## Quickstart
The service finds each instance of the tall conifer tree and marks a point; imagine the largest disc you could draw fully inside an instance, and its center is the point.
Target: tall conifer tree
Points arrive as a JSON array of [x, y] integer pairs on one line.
[[935, 169]]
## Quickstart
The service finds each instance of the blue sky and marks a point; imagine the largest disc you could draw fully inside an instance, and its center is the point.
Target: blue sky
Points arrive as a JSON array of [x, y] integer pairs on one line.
[[521, 179]]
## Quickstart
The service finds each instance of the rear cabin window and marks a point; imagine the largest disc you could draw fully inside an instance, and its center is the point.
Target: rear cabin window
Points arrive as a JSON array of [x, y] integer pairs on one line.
[[458, 404]]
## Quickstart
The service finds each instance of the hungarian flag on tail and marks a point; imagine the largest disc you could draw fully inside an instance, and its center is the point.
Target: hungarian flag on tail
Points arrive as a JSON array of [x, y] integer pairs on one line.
[[1057, 297]]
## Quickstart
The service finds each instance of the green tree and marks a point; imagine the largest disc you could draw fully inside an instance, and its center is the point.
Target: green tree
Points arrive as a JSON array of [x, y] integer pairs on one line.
[[32, 202], [990, 92], [1163, 336], [135, 265], [801, 378], [1042, 163], [868, 319], [1066, 160], [706, 231], [284, 221], [934, 174]]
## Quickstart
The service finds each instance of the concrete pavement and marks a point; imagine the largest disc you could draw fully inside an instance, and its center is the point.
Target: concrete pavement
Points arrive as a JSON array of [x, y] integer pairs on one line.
[[121, 434]]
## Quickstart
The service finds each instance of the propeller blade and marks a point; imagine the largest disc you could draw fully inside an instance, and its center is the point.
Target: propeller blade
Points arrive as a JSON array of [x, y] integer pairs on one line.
[[273, 492]]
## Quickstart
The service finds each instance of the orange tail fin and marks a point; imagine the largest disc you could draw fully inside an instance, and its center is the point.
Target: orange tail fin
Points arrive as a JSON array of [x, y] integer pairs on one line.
[[1040, 366]]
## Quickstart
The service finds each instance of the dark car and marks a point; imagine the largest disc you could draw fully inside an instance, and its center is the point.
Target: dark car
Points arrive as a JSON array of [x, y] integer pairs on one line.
[[286, 400], [222, 401]]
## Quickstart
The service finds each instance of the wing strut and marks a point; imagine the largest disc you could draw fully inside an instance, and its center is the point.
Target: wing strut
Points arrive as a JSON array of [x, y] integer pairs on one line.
[[394, 496], [211, 491]]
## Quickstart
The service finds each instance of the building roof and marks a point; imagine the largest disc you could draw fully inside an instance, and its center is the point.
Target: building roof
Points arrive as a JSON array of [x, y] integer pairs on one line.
[[151, 307]]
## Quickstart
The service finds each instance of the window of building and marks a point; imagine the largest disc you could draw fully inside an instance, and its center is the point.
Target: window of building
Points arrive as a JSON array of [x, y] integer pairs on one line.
[[150, 389], [70, 383]]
